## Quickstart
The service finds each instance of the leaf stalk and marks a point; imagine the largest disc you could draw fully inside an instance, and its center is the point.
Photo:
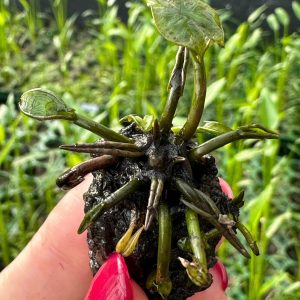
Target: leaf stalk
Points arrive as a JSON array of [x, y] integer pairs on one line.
[[196, 238], [100, 129], [248, 236], [164, 250], [109, 202], [227, 138], [100, 150], [176, 87], [198, 100], [75, 175]]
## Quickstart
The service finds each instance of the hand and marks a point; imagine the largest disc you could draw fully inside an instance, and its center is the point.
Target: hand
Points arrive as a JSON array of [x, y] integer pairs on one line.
[[55, 265]]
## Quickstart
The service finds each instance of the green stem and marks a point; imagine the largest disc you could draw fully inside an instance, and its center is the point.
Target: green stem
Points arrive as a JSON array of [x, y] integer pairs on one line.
[[195, 203], [212, 234], [106, 145], [81, 148], [156, 190], [248, 236], [75, 175], [4, 245], [196, 238], [226, 138], [211, 204], [100, 129], [234, 241], [164, 250], [109, 202], [199, 198], [197, 106], [176, 87], [184, 244]]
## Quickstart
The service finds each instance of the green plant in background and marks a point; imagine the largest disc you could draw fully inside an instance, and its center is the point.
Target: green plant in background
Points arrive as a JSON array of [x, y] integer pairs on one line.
[[65, 30], [250, 52], [33, 22], [266, 89], [171, 159]]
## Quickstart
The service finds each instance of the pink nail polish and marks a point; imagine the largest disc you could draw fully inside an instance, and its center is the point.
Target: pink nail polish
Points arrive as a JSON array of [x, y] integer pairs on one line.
[[112, 281], [222, 273], [226, 188]]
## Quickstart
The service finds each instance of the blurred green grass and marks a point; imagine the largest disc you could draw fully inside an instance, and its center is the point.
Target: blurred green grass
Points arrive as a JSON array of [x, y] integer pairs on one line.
[[109, 70]]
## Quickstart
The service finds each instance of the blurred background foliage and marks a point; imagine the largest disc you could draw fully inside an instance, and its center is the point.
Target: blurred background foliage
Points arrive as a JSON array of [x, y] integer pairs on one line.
[[107, 68]]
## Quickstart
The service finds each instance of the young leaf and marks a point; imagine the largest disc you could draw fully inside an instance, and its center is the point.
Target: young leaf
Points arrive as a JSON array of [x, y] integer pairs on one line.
[[145, 124], [42, 104], [259, 129], [252, 131], [213, 127], [191, 23]]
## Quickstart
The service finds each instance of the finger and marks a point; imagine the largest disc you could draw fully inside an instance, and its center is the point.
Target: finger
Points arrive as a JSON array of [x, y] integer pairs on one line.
[[138, 293], [55, 264], [220, 279], [226, 189], [217, 290]]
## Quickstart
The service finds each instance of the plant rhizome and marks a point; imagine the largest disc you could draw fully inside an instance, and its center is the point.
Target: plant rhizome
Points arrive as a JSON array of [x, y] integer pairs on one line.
[[155, 195]]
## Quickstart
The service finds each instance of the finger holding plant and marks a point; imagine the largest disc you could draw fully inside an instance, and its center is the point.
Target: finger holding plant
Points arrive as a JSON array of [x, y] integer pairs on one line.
[[159, 172]]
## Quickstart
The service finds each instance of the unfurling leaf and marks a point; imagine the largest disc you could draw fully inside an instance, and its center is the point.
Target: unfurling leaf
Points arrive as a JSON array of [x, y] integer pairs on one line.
[[190, 23], [253, 131], [214, 127], [145, 123], [42, 104], [259, 129]]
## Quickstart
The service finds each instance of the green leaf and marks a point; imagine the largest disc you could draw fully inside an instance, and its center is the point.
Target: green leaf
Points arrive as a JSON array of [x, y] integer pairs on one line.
[[282, 16], [292, 289], [277, 223], [296, 9], [7, 148], [145, 124], [248, 154], [213, 127], [213, 91], [280, 277], [42, 104], [191, 23], [256, 128], [256, 206], [267, 109], [273, 23], [257, 13]]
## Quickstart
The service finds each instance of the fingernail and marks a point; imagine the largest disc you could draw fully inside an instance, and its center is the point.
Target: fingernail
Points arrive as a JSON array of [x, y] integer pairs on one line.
[[112, 281], [226, 188], [222, 273]]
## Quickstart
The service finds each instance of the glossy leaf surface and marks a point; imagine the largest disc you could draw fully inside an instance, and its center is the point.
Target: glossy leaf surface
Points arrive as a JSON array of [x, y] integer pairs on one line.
[[190, 23], [145, 123], [214, 127], [42, 104]]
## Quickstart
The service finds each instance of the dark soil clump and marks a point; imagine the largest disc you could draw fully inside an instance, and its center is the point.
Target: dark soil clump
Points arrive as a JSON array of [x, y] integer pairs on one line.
[[104, 233]]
